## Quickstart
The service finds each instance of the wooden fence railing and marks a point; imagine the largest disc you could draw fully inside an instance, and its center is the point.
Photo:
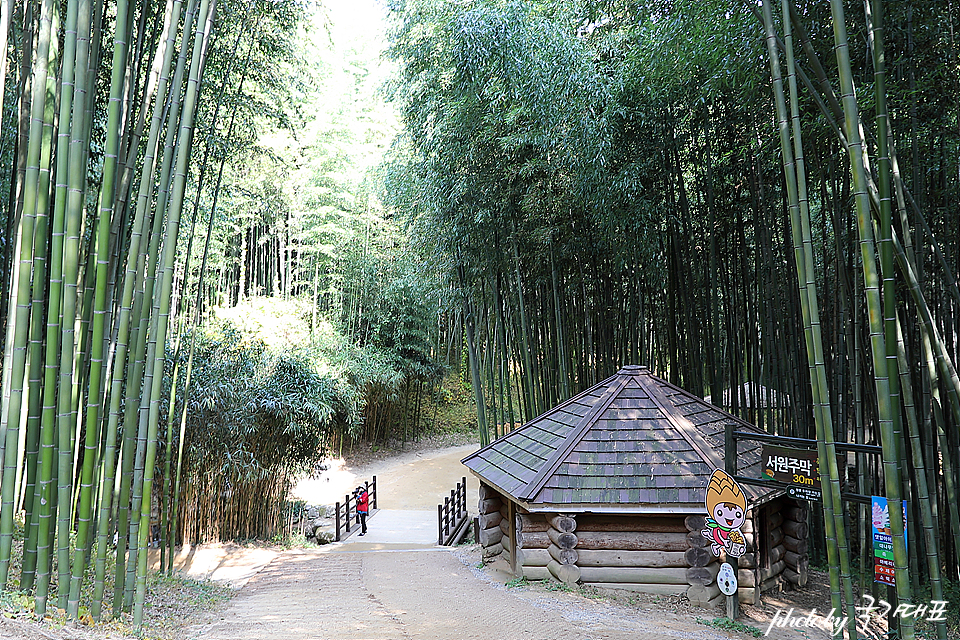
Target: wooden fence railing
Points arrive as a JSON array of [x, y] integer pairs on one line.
[[452, 515], [500, 430], [346, 511]]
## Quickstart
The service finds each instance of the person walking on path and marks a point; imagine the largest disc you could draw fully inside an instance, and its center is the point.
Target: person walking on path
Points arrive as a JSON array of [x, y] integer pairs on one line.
[[363, 506]]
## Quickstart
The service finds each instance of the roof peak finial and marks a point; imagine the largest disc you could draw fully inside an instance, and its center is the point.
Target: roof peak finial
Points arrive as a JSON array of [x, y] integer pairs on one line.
[[633, 369]]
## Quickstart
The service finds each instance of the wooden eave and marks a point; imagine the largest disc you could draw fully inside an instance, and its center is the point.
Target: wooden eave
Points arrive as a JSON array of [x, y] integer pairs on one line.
[[685, 509], [639, 509]]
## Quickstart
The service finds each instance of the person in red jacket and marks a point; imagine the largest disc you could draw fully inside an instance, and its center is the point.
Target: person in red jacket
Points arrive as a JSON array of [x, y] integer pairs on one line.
[[363, 507]]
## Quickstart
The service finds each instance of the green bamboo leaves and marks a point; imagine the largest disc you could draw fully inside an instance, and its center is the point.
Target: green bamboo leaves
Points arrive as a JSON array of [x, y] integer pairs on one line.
[[656, 226]]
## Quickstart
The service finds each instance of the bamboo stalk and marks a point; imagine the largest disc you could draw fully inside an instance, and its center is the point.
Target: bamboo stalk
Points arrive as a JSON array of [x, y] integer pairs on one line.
[[205, 15], [799, 215], [885, 409], [42, 357], [927, 507], [20, 298]]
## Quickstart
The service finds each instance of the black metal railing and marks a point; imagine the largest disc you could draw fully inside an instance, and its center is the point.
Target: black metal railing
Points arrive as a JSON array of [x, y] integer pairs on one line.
[[346, 512], [452, 515]]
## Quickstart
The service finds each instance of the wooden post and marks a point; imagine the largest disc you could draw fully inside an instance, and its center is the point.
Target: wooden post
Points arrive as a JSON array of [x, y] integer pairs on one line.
[[338, 522], [452, 515], [446, 517], [730, 459]]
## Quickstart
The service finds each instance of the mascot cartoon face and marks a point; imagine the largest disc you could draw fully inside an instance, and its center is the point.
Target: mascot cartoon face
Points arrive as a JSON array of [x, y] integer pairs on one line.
[[728, 515], [727, 508]]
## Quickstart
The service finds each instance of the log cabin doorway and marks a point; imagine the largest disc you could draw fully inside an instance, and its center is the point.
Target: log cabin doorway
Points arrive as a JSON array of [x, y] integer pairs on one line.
[[761, 539]]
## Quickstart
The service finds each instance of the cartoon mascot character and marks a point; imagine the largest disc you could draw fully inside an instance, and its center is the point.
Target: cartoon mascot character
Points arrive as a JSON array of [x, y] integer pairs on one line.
[[727, 508]]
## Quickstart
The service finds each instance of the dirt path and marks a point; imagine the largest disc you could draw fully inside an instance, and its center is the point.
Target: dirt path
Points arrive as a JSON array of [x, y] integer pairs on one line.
[[396, 584], [424, 594], [413, 480]]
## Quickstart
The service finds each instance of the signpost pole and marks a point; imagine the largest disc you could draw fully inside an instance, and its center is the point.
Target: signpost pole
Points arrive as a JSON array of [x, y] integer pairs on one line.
[[730, 460]]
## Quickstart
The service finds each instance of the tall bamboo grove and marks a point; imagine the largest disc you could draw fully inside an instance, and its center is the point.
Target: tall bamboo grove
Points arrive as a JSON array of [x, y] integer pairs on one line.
[[105, 98], [638, 205]]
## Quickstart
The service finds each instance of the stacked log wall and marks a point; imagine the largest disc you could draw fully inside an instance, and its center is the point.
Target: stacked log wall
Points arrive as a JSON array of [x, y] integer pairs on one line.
[[561, 531], [770, 573], [533, 554], [795, 530], [507, 553], [665, 555], [749, 574], [702, 565], [491, 535], [637, 553]]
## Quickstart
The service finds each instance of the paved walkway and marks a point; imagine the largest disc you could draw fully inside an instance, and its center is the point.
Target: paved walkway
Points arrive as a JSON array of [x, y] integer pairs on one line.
[[394, 528]]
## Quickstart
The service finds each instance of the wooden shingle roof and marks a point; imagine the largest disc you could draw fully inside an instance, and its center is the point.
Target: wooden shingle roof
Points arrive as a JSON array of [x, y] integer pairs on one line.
[[633, 442]]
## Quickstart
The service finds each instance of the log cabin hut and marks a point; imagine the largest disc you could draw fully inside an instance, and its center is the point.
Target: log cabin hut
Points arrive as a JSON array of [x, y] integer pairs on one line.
[[607, 489]]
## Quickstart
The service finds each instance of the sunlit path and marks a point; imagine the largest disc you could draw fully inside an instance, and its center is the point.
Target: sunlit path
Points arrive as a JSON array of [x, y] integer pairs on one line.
[[395, 528], [429, 595], [395, 582]]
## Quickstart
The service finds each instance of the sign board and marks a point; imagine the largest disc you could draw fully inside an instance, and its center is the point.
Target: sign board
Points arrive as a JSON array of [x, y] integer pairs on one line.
[[727, 579], [804, 493], [789, 465], [883, 541]]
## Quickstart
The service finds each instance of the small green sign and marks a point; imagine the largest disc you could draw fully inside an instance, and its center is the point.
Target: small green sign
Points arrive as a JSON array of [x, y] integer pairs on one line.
[[883, 541], [804, 493]]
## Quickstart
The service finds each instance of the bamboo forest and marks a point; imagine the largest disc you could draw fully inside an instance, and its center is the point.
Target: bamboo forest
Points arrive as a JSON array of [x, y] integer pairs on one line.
[[242, 236]]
